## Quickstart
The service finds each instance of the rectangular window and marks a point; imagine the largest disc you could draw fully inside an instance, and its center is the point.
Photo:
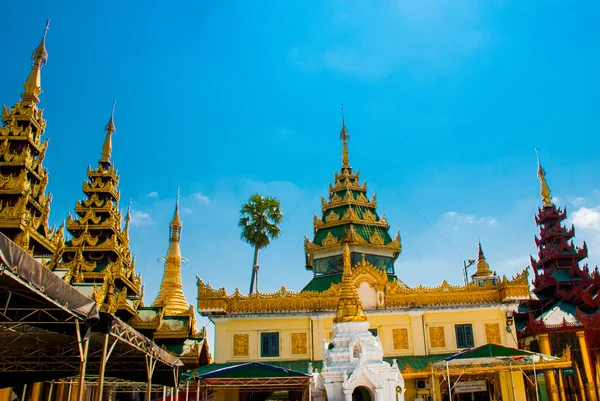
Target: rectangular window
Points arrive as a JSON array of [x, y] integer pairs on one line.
[[269, 344], [464, 336]]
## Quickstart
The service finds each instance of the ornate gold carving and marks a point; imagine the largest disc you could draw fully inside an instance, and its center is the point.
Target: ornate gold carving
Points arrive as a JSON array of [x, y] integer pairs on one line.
[[93, 201], [90, 216], [241, 345], [331, 217], [400, 338], [299, 346], [376, 239], [492, 333], [85, 238], [396, 295], [367, 215], [317, 221], [437, 338], [330, 239], [350, 214]]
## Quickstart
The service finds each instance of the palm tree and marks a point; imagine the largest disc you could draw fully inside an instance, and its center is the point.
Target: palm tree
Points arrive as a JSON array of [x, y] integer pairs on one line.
[[259, 221]]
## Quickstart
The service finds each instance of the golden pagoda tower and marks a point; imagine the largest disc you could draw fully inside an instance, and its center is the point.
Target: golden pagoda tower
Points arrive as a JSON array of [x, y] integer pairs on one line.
[[98, 260], [170, 321], [348, 216], [349, 307], [171, 297], [24, 203]]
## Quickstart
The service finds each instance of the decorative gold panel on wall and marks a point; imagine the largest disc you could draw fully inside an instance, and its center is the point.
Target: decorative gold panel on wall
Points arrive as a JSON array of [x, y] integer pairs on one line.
[[492, 333], [437, 339], [299, 344], [240, 345], [400, 337]]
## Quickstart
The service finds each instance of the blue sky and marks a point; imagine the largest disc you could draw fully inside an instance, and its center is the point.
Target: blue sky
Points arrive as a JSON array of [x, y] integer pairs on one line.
[[445, 103]]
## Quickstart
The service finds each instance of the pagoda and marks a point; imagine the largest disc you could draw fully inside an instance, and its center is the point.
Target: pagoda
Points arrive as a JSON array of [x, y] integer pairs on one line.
[[24, 203], [565, 300], [171, 321], [97, 259], [483, 274], [348, 216], [353, 365]]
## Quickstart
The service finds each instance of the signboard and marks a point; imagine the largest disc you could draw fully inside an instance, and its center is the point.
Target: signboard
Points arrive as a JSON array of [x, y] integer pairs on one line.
[[470, 387], [568, 372]]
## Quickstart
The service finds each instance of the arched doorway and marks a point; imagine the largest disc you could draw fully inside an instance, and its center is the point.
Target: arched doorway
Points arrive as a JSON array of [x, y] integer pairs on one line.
[[361, 394]]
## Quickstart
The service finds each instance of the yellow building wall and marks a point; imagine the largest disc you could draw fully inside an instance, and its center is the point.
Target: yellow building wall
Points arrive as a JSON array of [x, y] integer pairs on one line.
[[401, 334]]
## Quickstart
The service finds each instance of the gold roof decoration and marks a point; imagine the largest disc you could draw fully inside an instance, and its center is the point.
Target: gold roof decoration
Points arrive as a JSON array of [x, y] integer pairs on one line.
[[24, 203], [396, 295], [483, 268], [348, 210], [110, 130], [39, 57], [99, 248], [170, 296], [349, 307], [544, 188], [344, 136]]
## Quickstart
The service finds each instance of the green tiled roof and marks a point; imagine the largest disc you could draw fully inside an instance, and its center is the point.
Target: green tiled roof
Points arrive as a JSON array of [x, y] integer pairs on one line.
[[323, 283], [298, 366], [563, 275], [417, 362], [364, 231]]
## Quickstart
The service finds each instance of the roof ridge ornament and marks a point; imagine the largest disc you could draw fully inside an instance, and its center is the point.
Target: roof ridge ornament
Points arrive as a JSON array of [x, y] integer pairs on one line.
[[344, 136], [544, 188], [110, 130], [39, 58]]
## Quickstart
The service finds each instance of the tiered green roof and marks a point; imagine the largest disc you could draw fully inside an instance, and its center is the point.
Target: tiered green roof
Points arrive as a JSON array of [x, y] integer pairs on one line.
[[99, 252], [350, 215]]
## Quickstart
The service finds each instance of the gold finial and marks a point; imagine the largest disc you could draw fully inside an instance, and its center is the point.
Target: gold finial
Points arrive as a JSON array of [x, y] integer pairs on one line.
[[349, 307], [39, 57], [176, 222], [128, 216], [344, 136], [483, 268], [110, 130], [544, 188]]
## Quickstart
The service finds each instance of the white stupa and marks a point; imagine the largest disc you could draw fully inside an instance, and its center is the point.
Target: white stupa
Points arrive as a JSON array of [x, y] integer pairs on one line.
[[353, 365]]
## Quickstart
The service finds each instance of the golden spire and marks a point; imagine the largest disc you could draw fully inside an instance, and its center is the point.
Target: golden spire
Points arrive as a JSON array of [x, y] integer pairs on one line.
[[170, 296], [33, 84], [110, 130], [176, 222], [544, 188], [349, 307], [128, 216], [483, 268], [344, 136]]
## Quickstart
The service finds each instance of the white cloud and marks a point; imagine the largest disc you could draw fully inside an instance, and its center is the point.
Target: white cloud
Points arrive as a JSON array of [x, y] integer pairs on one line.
[[472, 219], [186, 210], [200, 197], [152, 194], [587, 218], [577, 200], [139, 218], [555, 200]]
